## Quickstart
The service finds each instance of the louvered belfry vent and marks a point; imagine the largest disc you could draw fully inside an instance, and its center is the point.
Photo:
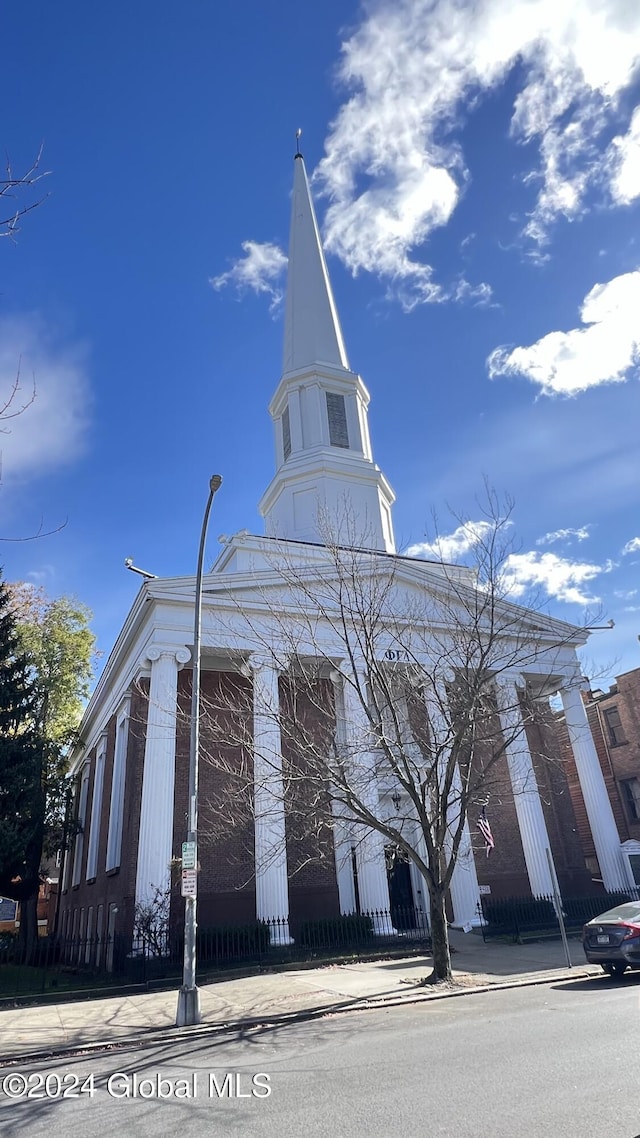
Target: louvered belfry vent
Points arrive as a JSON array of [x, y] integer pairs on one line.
[[286, 433], [337, 415]]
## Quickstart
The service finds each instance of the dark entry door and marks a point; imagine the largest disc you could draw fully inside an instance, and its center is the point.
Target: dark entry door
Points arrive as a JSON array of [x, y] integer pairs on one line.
[[403, 913]]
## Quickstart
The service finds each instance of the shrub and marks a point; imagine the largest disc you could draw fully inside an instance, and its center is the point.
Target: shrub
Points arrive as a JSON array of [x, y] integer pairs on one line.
[[8, 941]]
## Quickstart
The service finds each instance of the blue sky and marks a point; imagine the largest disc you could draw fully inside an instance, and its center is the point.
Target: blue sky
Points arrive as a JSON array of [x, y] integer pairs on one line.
[[476, 170]]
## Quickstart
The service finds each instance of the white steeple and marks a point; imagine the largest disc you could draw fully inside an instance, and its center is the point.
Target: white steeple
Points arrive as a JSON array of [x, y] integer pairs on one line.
[[312, 332], [325, 473]]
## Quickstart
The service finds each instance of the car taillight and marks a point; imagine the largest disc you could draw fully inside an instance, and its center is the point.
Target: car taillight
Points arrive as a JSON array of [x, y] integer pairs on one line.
[[633, 930]]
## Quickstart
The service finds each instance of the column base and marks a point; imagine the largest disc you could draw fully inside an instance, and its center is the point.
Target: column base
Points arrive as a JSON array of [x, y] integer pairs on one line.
[[474, 923], [382, 925], [280, 936], [188, 1012]]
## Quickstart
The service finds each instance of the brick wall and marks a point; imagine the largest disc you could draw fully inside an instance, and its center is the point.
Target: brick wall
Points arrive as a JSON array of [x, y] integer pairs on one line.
[[557, 805], [623, 757], [226, 885], [618, 761], [505, 870], [308, 729], [118, 886]]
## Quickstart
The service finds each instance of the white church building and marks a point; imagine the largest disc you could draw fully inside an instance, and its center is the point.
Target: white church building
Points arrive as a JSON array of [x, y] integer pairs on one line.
[[130, 773]]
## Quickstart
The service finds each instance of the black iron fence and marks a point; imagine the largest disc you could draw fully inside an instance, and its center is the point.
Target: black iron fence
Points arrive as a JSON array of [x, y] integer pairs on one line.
[[527, 917], [59, 964]]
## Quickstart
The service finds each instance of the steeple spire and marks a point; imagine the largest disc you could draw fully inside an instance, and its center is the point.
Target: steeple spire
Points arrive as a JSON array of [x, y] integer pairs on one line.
[[324, 462], [312, 332]]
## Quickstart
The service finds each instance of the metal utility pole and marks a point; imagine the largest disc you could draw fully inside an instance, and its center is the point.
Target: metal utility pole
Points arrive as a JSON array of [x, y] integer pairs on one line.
[[188, 996]]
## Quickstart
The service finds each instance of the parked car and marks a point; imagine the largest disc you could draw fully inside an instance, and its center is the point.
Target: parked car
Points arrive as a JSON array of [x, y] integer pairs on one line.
[[612, 940]]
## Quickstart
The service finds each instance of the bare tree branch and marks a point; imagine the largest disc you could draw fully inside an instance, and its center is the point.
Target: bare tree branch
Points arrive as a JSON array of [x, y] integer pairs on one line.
[[12, 187], [392, 690]]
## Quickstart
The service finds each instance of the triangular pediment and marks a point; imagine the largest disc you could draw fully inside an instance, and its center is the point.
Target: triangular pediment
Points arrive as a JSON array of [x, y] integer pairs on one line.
[[285, 576]]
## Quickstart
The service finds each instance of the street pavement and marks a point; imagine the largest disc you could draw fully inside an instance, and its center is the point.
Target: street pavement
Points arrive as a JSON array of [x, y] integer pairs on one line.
[[537, 1062], [281, 997]]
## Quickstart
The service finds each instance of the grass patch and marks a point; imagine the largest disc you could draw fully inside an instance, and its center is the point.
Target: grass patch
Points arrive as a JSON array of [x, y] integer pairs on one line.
[[26, 980]]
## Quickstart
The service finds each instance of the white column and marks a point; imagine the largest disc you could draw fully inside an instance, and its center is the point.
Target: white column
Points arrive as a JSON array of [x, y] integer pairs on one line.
[[419, 885], [272, 885], [614, 866], [373, 885], [533, 828], [155, 839], [342, 835], [463, 887], [343, 844]]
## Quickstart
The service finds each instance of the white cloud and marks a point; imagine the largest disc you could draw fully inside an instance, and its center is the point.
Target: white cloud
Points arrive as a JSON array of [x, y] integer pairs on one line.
[[625, 594], [632, 546], [393, 168], [412, 71], [623, 163], [563, 535], [52, 430], [481, 294], [450, 547], [39, 576], [261, 270], [560, 577], [604, 351]]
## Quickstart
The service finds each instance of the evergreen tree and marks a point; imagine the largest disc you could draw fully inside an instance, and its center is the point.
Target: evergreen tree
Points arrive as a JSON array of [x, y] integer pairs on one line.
[[50, 648], [22, 799]]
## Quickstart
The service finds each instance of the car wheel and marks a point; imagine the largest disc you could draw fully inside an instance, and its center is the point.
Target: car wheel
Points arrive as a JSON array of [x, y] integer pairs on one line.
[[617, 969]]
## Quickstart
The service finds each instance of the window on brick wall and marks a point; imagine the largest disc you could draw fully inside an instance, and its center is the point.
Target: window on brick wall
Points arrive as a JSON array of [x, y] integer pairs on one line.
[[631, 794], [82, 818], [337, 416], [114, 835], [96, 810], [614, 726]]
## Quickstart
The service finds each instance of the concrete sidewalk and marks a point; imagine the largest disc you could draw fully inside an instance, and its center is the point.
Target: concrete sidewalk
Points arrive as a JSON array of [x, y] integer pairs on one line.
[[282, 996]]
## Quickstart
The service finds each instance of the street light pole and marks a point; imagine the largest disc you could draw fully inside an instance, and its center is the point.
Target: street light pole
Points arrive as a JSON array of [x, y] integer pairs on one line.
[[188, 996]]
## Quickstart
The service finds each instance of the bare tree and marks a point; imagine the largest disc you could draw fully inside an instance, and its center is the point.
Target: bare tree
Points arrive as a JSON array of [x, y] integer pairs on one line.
[[397, 684], [19, 189], [17, 197], [151, 923]]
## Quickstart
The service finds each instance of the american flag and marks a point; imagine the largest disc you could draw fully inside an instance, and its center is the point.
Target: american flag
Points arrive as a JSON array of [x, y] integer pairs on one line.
[[485, 830]]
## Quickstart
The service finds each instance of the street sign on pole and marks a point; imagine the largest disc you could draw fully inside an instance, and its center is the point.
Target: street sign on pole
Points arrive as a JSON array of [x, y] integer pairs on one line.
[[188, 855], [189, 882]]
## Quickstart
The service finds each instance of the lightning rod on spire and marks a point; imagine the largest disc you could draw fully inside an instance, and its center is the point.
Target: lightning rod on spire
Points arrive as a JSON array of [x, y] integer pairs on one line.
[[298, 133]]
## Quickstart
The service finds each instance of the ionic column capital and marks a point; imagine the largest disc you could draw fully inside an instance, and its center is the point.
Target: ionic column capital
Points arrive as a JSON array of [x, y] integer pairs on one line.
[[574, 684], [264, 662], [509, 682], [179, 653]]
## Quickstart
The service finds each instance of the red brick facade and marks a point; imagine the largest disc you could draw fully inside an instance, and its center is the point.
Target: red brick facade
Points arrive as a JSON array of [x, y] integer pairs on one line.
[[114, 890], [226, 889]]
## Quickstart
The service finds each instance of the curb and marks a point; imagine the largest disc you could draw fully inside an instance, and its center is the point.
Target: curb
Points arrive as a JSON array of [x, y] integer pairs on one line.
[[200, 1031]]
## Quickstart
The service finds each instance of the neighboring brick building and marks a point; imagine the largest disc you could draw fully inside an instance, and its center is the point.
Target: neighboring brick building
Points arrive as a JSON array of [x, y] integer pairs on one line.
[[614, 719]]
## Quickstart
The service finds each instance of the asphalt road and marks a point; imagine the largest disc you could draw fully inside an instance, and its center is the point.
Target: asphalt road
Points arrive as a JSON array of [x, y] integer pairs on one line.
[[555, 1060]]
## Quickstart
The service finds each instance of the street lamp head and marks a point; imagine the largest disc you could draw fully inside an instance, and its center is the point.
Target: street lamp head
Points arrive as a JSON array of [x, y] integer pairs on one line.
[[215, 482]]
